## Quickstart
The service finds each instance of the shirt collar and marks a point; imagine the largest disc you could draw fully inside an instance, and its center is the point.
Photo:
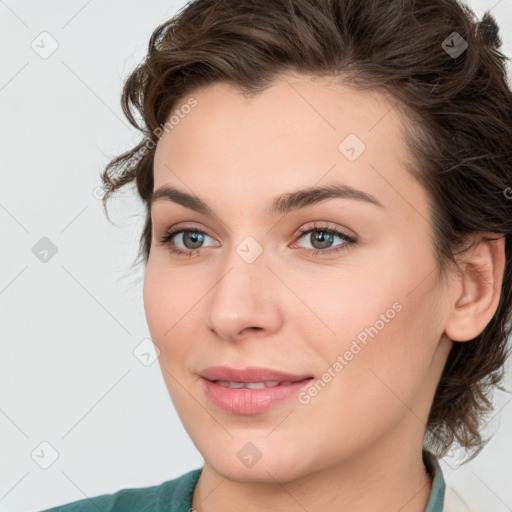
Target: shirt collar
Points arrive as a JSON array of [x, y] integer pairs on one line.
[[436, 500]]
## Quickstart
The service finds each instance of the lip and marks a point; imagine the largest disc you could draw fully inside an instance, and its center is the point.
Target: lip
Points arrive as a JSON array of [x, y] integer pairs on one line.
[[246, 401], [249, 374]]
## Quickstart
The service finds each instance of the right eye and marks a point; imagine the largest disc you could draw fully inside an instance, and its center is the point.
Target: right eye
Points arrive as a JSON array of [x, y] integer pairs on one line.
[[192, 237]]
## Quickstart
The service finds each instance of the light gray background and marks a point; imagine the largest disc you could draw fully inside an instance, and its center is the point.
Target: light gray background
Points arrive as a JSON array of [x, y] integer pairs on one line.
[[69, 326]]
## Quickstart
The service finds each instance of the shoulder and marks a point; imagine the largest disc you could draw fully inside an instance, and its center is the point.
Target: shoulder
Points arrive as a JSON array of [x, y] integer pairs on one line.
[[176, 492]]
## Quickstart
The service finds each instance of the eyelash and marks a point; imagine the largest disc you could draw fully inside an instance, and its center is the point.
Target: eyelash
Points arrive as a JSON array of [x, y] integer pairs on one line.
[[172, 232]]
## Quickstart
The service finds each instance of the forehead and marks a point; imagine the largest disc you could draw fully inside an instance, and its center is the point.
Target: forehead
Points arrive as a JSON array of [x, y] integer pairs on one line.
[[296, 132]]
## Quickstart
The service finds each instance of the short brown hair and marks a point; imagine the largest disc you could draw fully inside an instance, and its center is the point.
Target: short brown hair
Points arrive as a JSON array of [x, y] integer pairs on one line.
[[458, 108]]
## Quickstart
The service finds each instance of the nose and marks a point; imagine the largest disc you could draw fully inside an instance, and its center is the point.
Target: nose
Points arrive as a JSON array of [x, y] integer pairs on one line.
[[245, 300]]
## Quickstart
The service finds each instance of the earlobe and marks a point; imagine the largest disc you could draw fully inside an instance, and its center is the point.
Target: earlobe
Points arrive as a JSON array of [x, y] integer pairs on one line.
[[476, 296]]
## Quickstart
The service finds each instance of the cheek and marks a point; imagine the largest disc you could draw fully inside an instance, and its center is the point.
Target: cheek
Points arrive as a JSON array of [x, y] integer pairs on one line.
[[381, 380], [156, 302], [168, 304], [169, 300], [383, 331]]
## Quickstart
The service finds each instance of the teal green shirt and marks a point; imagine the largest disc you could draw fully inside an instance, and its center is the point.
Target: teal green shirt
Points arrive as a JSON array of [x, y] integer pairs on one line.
[[176, 495]]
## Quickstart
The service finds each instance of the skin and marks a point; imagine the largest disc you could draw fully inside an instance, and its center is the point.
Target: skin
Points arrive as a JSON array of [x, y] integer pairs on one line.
[[356, 446]]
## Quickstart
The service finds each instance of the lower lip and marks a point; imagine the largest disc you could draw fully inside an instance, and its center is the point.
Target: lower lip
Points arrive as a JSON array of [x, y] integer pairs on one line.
[[250, 401]]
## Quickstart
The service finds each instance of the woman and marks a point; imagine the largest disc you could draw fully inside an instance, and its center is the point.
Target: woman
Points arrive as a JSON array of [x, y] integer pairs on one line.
[[327, 247]]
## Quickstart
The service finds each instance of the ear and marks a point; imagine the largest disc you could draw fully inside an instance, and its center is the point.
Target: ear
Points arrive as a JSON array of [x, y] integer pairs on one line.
[[478, 287]]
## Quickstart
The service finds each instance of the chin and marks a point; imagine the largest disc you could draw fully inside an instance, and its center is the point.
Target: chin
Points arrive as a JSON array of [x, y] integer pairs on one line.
[[245, 464]]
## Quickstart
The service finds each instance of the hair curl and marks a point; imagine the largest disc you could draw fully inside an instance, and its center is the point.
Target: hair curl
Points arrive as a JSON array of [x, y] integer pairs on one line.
[[457, 110]]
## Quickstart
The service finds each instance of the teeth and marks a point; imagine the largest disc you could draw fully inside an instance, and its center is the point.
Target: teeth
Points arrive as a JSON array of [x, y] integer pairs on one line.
[[228, 384], [250, 385], [255, 385]]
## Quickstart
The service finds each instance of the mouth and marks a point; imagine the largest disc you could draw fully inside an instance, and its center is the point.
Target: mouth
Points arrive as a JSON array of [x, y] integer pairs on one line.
[[252, 385], [251, 390], [251, 375]]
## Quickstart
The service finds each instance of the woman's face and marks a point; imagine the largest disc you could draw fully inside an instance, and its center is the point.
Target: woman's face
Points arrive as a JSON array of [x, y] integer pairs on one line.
[[363, 320]]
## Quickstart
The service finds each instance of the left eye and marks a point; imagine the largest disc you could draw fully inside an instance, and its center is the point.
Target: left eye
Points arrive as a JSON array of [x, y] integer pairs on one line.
[[324, 238]]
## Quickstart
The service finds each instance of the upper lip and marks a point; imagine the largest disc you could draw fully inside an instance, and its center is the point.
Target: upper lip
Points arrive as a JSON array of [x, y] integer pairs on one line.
[[250, 374]]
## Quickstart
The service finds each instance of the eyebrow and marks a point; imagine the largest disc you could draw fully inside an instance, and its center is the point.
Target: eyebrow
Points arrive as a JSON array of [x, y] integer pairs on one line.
[[284, 203]]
